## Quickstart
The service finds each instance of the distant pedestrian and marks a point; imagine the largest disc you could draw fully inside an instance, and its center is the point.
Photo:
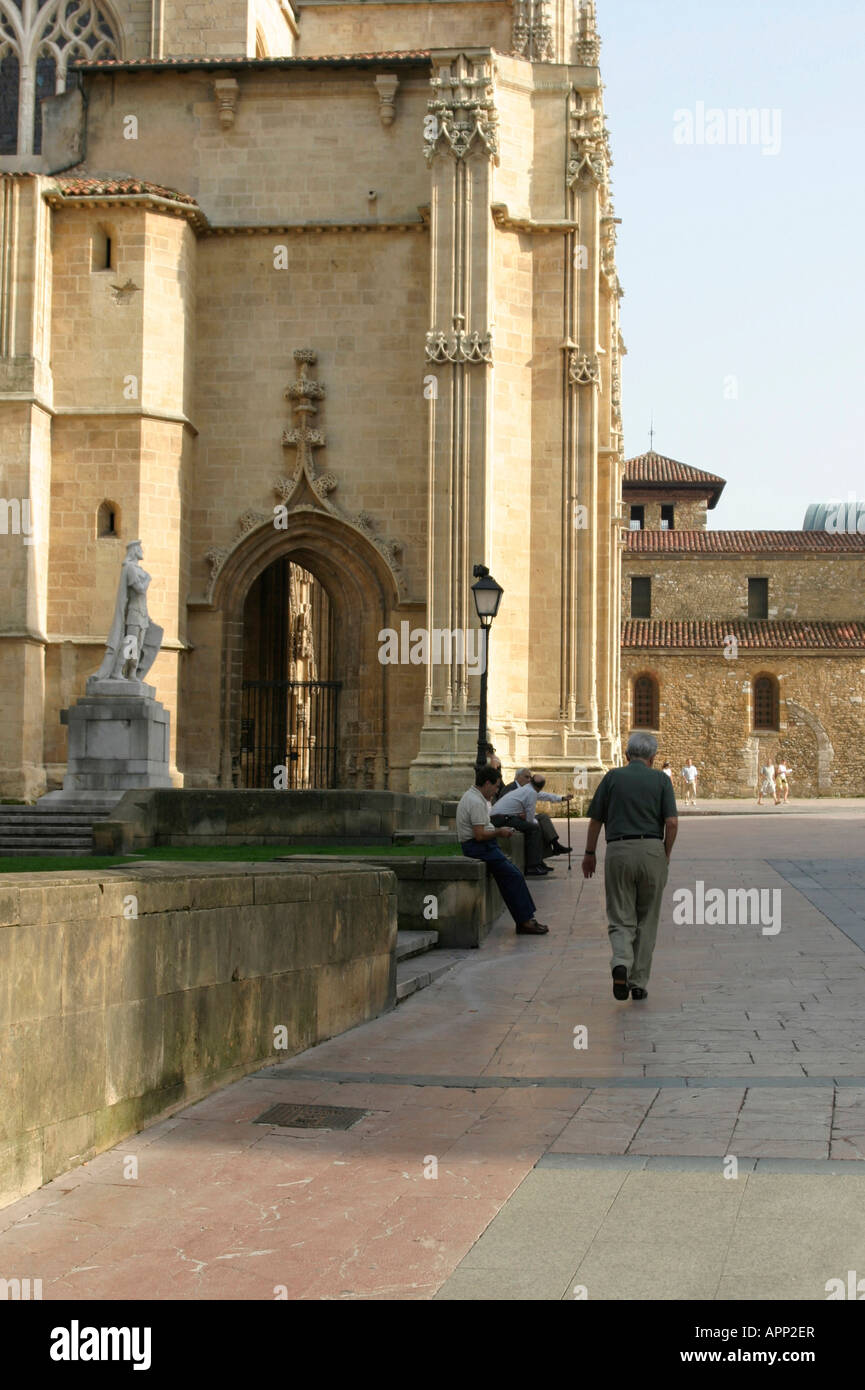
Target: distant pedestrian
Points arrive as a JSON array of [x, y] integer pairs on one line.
[[669, 771], [636, 805], [767, 784], [689, 772], [476, 834], [782, 773]]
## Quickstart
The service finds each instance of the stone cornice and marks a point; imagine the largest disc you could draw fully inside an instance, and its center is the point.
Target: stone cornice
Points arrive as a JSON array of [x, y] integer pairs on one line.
[[203, 227], [506, 222]]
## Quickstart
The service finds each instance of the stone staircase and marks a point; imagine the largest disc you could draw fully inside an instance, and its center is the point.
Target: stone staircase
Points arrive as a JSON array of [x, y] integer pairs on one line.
[[418, 963], [57, 829]]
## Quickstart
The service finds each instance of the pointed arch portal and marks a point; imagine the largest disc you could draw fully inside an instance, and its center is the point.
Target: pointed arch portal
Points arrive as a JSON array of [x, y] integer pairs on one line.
[[290, 679]]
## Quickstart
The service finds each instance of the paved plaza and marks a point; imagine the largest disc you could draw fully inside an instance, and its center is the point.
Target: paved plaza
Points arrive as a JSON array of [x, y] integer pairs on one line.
[[524, 1135]]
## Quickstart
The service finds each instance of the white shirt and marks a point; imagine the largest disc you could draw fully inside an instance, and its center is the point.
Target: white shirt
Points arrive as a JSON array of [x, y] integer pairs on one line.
[[669, 772], [473, 809], [523, 799], [689, 773]]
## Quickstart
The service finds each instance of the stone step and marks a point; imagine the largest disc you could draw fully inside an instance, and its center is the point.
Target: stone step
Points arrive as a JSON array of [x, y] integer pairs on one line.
[[415, 943], [38, 844], [45, 851], [22, 823], [412, 975]]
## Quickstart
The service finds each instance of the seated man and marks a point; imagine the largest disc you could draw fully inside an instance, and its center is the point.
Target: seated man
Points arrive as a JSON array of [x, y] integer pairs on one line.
[[516, 808], [552, 843], [476, 833]]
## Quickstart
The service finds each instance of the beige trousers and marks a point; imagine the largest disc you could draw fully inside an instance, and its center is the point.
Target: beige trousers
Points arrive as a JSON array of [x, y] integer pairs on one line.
[[635, 875]]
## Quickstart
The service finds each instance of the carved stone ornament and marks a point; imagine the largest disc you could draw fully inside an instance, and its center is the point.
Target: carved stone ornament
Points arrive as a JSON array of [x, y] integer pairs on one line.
[[582, 369], [588, 38], [587, 159], [532, 32], [463, 111], [386, 84], [306, 489], [227, 91], [459, 346]]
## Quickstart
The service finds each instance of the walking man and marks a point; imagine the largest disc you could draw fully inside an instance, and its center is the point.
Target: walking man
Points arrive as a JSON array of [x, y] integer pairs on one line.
[[476, 834], [689, 772], [636, 806]]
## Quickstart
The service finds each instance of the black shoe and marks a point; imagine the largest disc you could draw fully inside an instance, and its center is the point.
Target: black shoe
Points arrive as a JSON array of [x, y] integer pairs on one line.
[[620, 982], [560, 849], [637, 993], [539, 871]]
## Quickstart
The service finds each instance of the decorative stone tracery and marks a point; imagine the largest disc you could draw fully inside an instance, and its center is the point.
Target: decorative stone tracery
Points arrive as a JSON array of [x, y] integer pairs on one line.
[[44, 39], [463, 111], [306, 489], [459, 346], [532, 32]]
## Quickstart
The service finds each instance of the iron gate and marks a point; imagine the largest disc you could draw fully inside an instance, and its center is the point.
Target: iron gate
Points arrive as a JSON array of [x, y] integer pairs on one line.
[[291, 725]]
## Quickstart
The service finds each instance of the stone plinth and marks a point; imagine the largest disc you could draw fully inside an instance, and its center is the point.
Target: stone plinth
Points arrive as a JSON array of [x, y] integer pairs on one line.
[[118, 739]]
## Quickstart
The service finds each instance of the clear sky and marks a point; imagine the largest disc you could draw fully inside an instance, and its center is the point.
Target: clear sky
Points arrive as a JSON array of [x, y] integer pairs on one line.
[[743, 271]]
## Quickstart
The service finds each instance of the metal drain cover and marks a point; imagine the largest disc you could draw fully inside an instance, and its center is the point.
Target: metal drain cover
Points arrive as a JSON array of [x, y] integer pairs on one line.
[[311, 1116]]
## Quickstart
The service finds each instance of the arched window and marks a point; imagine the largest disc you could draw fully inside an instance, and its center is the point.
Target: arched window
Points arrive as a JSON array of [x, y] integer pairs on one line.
[[646, 703], [38, 42], [766, 704], [108, 520]]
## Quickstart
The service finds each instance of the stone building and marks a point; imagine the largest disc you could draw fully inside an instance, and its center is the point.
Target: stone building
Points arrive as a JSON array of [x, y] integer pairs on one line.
[[319, 301], [740, 647]]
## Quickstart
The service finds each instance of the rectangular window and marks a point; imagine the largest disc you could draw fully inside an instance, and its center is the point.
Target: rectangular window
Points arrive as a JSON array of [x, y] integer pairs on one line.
[[641, 597], [667, 515], [758, 598], [638, 518]]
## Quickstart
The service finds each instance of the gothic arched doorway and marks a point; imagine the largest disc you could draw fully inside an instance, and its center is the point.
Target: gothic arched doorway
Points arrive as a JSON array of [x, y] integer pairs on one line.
[[351, 594], [290, 703]]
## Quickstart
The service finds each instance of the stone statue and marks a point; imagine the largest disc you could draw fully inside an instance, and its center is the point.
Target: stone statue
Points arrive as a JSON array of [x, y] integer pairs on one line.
[[134, 641]]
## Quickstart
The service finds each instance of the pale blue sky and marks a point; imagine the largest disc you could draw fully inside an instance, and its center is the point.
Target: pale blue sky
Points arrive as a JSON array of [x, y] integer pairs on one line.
[[740, 264]]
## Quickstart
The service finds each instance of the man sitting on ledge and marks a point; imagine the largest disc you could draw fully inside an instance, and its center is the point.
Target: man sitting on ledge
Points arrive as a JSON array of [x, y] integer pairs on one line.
[[476, 833]]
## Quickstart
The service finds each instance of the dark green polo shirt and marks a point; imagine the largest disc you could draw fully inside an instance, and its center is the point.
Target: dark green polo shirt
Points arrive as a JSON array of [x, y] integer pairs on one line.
[[634, 800]]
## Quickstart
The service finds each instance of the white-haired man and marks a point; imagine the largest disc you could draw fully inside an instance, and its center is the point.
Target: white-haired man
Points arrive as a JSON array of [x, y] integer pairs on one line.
[[636, 806]]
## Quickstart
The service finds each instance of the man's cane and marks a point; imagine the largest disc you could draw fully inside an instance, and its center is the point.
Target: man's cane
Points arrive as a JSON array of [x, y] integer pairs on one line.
[[568, 804]]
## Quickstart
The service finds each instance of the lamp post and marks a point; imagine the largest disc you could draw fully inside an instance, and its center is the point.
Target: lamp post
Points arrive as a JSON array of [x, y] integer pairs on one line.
[[487, 595]]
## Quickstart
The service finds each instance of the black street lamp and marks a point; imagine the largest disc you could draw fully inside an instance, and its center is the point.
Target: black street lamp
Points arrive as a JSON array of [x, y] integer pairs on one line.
[[487, 595]]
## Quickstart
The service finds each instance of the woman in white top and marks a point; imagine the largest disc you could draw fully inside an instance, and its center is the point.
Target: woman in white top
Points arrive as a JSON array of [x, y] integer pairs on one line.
[[768, 783], [782, 771]]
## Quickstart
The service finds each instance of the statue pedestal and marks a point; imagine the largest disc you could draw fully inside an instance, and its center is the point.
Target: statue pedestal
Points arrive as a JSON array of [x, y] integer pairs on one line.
[[118, 740]]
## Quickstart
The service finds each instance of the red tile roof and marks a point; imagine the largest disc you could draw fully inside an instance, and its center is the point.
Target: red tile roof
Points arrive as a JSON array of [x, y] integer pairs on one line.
[[741, 542], [96, 186], [407, 58], [751, 635], [656, 471]]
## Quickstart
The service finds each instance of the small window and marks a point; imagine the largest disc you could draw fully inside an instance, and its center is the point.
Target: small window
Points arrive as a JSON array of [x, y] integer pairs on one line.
[[646, 703], [638, 518], [667, 515], [101, 249], [766, 704], [108, 520], [758, 598], [641, 598]]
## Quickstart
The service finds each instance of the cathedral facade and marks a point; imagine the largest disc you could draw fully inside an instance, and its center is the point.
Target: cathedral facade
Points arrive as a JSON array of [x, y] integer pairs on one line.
[[318, 301]]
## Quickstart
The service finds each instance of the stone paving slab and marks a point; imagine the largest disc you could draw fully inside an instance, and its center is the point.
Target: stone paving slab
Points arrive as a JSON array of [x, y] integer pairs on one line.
[[656, 1230], [480, 1108]]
